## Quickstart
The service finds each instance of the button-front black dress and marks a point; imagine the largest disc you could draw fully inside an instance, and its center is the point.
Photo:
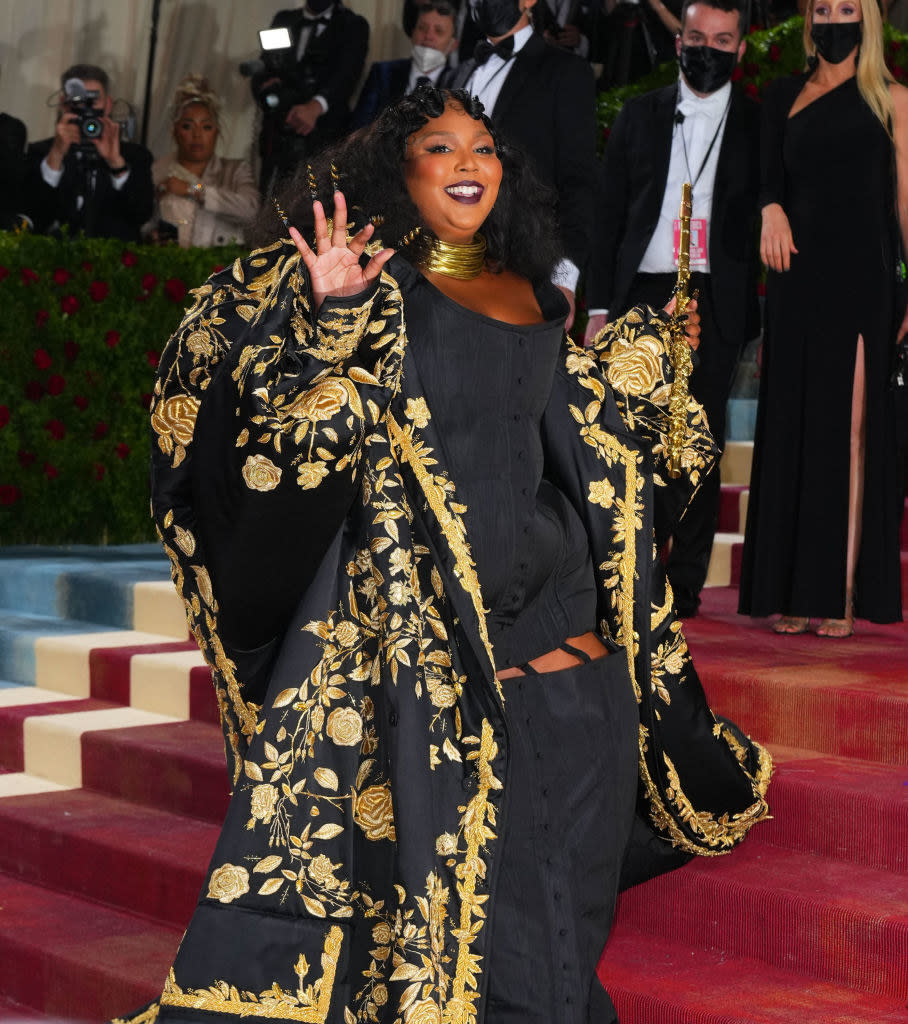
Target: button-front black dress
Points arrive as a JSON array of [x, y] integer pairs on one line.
[[830, 167], [572, 772]]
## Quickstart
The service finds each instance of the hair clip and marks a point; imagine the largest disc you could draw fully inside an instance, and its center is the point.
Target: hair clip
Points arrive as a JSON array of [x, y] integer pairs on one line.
[[281, 214], [313, 184], [410, 236]]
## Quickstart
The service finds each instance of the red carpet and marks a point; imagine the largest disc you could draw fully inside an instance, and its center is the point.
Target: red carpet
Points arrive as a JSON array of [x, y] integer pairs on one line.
[[807, 922]]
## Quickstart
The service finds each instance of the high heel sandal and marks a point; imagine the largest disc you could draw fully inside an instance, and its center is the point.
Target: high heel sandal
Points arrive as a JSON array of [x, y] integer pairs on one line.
[[791, 625], [839, 629]]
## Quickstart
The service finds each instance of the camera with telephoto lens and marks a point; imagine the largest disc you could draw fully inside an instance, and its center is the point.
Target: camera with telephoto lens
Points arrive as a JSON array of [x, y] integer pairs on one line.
[[284, 83], [80, 105]]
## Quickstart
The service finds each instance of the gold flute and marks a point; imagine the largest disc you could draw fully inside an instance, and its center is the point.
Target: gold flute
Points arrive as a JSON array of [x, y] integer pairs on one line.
[[680, 350]]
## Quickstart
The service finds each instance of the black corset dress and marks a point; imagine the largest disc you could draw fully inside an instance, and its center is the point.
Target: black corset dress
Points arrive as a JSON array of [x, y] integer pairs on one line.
[[571, 783]]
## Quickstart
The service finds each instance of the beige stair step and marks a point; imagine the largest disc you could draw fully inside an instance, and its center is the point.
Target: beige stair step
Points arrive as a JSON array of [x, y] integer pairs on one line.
[[62, 662], [23, 784], [736, 460], [53, 743], [160, 682], [158, 608], [720, 564], [21, 696]]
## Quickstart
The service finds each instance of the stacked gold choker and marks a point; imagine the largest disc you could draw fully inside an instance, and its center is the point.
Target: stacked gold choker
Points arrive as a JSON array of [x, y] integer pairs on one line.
[[464, 262]]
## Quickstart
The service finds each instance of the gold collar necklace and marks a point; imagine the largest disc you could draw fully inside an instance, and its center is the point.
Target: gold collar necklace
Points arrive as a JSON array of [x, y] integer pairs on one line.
[[464, 262]]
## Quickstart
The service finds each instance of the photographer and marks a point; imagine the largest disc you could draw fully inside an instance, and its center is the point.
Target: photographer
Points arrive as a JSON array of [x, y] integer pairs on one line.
[[84, 177], [304, 91]]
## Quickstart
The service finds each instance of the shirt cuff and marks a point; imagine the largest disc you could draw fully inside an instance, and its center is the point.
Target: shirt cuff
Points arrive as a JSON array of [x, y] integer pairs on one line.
[[597, 312], [50, 176], [322, 102], [565, 275], [119, 180]]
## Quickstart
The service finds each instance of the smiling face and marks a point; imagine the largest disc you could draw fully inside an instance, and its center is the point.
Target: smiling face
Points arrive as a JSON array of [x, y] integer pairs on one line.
[[453, 174], [195, 133]]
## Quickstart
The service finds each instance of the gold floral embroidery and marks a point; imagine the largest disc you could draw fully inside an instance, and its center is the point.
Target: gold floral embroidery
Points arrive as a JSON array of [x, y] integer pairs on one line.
[[451, 525], [261, 474], [310, 1003], [374, 814], [228, 883]]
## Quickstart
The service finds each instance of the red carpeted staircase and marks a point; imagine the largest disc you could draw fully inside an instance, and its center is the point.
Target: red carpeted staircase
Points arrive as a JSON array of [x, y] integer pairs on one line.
[[112, 785]]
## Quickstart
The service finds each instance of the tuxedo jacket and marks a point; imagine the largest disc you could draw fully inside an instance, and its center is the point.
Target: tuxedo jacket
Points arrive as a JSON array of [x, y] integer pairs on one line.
[[632, 180], [386, 82], [105, 212], [330, 66], [547, 107], [12, 170]]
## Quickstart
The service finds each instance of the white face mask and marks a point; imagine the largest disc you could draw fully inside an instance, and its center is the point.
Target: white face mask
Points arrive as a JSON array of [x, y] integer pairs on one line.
[[426, 59]]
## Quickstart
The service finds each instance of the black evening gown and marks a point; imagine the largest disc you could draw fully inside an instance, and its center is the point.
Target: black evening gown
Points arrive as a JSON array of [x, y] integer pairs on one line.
[[830, 166], [572, 777]]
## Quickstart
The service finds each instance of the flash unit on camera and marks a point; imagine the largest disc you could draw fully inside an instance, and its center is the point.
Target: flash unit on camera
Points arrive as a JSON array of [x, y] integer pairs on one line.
[[275, 39]]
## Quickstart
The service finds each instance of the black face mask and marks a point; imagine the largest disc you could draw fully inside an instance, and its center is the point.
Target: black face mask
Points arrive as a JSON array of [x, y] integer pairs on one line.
[[835, 41], [319, 6], [706, 68], [496, 18]]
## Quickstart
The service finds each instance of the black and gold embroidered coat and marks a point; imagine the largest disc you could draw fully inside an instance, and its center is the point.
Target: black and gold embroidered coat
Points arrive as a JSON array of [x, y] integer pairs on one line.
[[368, 742]]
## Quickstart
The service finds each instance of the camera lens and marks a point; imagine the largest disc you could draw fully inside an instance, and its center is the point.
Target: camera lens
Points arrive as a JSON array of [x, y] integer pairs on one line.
[[92, 128]]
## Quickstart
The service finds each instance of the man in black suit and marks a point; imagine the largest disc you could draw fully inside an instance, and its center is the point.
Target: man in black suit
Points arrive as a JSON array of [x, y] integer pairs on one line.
[[315, 83], [12, 171], [542, 99], [84, 177], [433, 41], [704, 131]]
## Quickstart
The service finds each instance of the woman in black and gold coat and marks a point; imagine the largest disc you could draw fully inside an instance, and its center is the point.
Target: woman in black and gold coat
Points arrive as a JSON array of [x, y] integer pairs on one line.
[[414, 529]]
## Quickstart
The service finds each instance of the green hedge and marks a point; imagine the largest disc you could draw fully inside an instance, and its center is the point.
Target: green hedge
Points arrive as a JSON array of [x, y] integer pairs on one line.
[[770, 53], [83, 324]]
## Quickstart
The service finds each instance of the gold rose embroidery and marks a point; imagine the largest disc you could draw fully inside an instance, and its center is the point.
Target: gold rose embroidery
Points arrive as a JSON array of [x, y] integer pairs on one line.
[[228, 883], [173, 420], [636, 368], [425, 1011], [374, 813], [264, 802], [320, 402], [345, 727], [261, 474], [311, 475], [418, 412], [602, 493]]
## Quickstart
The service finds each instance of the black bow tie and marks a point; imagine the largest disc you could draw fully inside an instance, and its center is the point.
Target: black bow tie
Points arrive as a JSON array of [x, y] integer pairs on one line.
[[308, 22], [485, 49]]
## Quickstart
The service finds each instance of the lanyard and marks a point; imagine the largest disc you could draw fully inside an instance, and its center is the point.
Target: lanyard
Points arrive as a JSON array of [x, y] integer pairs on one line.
[[718, 132]]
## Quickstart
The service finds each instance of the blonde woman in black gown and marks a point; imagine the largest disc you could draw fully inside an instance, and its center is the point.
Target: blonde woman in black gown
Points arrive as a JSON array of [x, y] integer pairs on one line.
[[822, 527]]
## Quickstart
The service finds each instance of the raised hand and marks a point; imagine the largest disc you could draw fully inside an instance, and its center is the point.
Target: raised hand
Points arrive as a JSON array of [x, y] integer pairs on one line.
[[334, 267]]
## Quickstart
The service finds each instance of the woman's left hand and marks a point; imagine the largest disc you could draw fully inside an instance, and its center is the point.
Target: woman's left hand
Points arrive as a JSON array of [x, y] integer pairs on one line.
[[692, 325]]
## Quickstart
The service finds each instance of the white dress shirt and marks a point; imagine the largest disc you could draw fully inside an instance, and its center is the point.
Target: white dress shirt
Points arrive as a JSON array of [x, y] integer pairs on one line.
[[704, 119], [303, 42], [416, 75], [485, 83]]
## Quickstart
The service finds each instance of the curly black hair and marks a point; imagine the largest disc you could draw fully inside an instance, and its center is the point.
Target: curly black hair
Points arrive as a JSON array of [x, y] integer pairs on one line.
[[367, 167]]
